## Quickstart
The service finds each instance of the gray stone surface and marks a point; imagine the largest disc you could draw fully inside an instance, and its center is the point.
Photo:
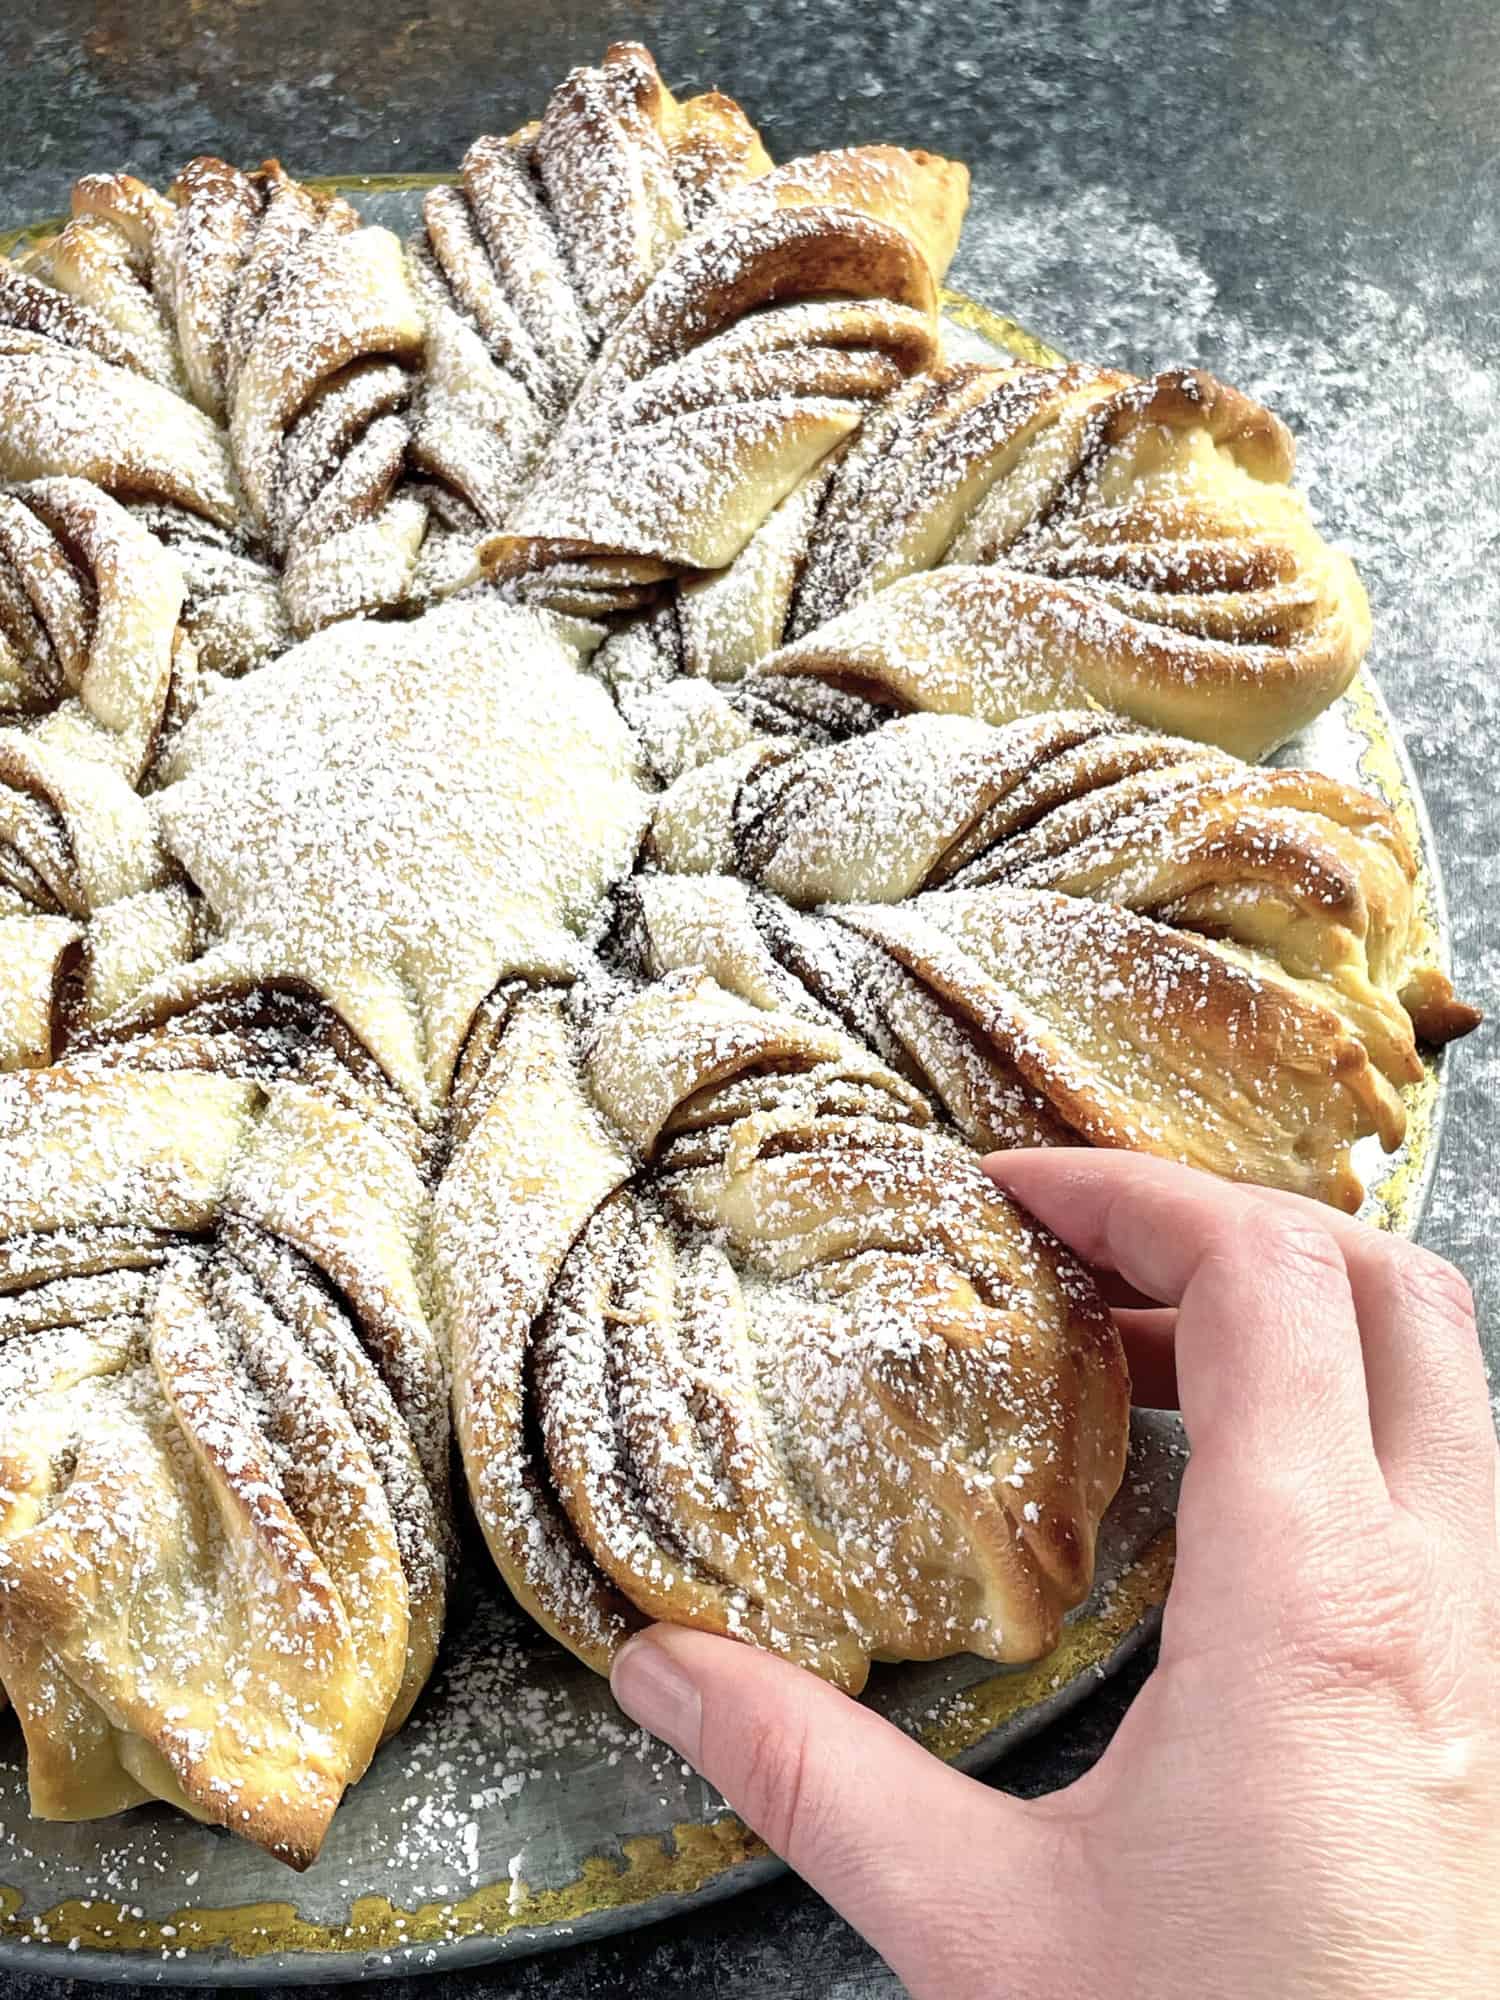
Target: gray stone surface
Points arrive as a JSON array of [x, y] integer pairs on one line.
[[1308, 200]]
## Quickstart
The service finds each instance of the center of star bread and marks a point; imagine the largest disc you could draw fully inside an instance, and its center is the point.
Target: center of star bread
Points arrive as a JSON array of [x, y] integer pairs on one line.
[[399, 816]]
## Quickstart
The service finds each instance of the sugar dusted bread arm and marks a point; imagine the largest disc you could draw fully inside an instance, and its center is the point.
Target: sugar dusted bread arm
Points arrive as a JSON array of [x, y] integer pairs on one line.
[[669, 1382], [77, 399], [506, 1214], [528, 262], [1131, 1034], [94, 655], [803, 300], [241, 350], [222, 1432], [1000, 541], [1288, 873], [1038, 1018]]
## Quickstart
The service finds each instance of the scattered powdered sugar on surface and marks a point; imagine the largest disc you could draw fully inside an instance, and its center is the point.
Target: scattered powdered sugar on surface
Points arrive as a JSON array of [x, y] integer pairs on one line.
[[1091, 274], [475, 1791]]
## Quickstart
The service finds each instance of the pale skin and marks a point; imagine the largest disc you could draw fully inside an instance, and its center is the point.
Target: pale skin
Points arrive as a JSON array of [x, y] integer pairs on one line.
[[1304, 1799]]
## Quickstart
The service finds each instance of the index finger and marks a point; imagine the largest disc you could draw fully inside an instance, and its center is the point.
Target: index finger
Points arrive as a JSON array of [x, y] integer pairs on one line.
[[1270, 1371], [1417, 1338]]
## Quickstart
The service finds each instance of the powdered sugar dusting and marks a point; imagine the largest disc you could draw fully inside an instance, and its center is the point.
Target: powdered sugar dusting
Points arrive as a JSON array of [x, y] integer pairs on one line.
[[800, 1261]]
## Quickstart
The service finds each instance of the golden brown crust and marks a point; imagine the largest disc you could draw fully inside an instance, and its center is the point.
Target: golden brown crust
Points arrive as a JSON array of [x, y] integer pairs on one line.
[[527, 268], [1288, 872], [806, 298], [1000, 541], [229, 1574], [1040, 1018]]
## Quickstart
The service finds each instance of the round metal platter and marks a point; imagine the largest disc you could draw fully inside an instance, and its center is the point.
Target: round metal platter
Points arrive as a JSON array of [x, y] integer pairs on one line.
[[518, 1809]]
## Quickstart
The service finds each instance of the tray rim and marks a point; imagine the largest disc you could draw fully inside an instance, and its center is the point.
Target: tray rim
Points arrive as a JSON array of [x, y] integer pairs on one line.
[[1097, 1646]]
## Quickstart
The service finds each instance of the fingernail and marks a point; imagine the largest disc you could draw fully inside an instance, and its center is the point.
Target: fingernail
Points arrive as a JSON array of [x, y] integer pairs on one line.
[[654, 1691]]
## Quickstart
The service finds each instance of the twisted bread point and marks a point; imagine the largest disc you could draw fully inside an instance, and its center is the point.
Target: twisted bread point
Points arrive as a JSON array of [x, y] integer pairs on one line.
[[222, 1544], [293, 330], [1037, 1018], [805, 298], [994, 542], [300, 332], [550, 237], [666, 1381], [94, 381], [1293, 875]]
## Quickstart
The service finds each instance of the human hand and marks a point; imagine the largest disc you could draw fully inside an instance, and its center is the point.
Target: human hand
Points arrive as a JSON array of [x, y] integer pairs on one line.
[[1304, 1798]]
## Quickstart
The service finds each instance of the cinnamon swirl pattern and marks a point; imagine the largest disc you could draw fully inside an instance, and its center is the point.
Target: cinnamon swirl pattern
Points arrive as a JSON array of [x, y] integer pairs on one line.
[[747, 1253], [530, 262], [225, 1524], [1068, 929], [557, 783], [998, 541]]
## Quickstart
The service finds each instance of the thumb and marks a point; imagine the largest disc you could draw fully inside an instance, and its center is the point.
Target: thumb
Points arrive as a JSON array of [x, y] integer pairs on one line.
[[941, 1875]]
